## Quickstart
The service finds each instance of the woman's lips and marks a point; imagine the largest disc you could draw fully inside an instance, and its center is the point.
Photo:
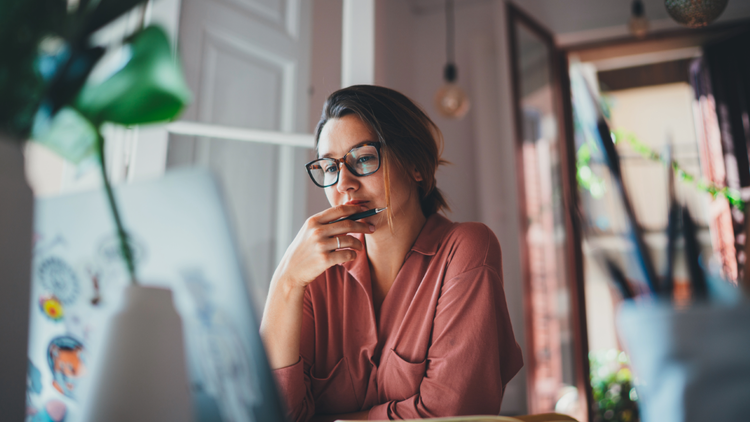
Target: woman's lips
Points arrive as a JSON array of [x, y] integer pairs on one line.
[[362, 204]]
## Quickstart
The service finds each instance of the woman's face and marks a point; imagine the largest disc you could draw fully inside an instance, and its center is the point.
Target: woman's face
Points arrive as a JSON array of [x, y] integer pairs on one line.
[[337, 138]]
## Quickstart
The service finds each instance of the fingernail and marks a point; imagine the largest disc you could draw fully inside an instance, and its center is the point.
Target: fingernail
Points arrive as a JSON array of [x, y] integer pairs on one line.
[[372, 228], [363, 208]]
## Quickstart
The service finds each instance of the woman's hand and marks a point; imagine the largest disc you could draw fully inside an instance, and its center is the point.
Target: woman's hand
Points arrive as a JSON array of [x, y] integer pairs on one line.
[[358, 416], [315, 248]]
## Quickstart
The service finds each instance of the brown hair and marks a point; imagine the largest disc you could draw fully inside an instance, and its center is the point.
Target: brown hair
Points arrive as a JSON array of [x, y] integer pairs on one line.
[[408, 138]]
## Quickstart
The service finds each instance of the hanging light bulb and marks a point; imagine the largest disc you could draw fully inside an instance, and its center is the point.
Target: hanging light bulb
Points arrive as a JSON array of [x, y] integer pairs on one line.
[[450, 100], [695, 13], [638, 23]]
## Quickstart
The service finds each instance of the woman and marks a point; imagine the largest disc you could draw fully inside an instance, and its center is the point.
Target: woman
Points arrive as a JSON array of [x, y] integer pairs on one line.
[[396, 316]]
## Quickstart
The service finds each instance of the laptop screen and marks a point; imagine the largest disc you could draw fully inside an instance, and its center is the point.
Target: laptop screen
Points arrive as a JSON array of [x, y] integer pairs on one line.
[[181, 240]]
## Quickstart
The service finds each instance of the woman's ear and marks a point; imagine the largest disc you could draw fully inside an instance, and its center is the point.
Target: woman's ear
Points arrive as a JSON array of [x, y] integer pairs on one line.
[[417, 175]]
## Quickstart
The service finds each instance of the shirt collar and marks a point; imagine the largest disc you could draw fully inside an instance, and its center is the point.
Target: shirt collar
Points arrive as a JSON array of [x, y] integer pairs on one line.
[[359, 268], [427, 244], [432, 233]]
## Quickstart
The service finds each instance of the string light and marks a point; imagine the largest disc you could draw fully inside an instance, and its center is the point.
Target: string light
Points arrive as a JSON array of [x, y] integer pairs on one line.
[[588, 180]]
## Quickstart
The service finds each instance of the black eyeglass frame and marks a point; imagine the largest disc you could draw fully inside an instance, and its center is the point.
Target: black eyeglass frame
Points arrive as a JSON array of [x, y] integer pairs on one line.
[[342, 160]]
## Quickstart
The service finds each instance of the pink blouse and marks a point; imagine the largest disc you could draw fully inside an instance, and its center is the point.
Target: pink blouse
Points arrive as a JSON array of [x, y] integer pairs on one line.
[[443, 345]]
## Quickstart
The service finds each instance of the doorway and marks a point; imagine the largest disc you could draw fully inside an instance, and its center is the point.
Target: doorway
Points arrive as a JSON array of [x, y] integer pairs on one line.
[[656, 111], [569, 212]]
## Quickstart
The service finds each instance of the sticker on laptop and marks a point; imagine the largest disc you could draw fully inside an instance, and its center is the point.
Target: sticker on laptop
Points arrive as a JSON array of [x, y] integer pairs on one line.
[[58, 278], [51, 307], [66, 357]]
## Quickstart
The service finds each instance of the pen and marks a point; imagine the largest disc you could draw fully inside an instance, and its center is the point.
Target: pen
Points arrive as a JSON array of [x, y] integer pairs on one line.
[[666, 287], [613, 162], [360, 215], [698, 285], [619, 278]]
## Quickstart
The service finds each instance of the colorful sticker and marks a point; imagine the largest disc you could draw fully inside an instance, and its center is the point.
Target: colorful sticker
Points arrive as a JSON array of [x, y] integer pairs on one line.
[[67, 360], [96, 297], [33, 379], [110, 251], [42, 245], [33, 386], [57, 277], [51, 307], [53, 411]]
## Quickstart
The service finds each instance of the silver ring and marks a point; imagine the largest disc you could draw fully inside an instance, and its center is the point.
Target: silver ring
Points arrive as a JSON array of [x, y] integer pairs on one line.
[[338, 243]]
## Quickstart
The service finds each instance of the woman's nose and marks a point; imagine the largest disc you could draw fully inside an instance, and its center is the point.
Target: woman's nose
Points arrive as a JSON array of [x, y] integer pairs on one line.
[[347, 180]]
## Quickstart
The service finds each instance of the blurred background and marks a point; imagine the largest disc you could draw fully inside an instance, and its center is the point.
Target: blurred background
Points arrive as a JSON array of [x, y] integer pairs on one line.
[[260, 71]]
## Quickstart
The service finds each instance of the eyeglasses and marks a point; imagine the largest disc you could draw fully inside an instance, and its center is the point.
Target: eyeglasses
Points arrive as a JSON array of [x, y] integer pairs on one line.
[[362, 160]]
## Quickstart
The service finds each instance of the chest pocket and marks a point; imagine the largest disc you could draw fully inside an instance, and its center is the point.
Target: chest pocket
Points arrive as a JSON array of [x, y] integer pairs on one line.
[[400, 378], [335, 393]]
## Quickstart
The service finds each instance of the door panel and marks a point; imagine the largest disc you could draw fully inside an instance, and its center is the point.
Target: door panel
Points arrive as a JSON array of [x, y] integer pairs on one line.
[[247, 63], [279, 13], [229, 74]]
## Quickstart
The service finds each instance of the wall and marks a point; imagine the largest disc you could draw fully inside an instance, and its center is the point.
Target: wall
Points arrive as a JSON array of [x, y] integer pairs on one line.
[[481, 181], [325, 77], [413, 62]]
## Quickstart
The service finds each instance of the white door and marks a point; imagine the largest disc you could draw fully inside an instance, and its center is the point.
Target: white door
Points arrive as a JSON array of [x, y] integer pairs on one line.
[[247, 63]]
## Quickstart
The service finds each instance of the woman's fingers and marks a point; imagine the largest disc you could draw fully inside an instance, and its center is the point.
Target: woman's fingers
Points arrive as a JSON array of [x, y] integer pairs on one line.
[[315, 248], [343, 242], [321, 232], [344, 227], [339, 257], [334, 213], [326, 229]]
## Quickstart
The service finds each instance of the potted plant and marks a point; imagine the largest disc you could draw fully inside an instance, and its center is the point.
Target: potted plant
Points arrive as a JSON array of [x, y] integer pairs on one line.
[[46, 57], [615, 397]]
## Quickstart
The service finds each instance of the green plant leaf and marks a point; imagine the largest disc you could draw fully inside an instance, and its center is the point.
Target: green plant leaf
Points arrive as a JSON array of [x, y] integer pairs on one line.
[[105, 11], [69, 134], [733, 196], [72, 76], [23, 23], [150, 88]]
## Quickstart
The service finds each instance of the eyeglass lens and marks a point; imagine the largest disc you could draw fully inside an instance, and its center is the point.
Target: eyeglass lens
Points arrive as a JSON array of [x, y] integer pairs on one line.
[[361, 161]]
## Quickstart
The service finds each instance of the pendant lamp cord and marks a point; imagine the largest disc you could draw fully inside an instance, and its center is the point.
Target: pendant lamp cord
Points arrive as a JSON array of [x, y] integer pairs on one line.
[[449, 32]]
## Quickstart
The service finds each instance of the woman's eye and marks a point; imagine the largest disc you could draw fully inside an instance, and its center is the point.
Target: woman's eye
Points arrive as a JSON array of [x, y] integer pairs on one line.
[[365, 158], [330, 169]]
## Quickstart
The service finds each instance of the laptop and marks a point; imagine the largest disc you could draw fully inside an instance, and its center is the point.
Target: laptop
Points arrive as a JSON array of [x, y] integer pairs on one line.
[[181, 239]]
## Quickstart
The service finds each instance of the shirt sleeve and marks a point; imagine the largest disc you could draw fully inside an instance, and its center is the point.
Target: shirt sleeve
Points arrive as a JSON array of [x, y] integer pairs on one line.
[[473, 352], [294, 380]]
